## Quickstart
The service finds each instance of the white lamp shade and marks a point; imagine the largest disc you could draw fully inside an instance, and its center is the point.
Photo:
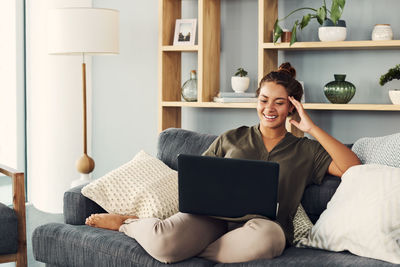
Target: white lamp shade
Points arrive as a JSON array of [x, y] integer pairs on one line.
[[83, 30]]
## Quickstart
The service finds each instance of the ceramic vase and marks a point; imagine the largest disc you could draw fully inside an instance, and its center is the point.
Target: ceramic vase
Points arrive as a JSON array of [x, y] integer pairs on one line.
[[382, 32], [189, 88], [330, 32], [339, 91]]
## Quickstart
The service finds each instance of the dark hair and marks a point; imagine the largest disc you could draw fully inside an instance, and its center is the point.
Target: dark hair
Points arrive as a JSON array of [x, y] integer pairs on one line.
[[285, 76]]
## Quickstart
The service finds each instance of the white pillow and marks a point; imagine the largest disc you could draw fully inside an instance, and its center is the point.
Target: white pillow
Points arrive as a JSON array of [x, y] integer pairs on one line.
[[383, 150], [144, 187], [363, 215]]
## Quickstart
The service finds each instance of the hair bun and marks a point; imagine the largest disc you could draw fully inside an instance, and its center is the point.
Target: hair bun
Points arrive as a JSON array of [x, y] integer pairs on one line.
[[286, 67]]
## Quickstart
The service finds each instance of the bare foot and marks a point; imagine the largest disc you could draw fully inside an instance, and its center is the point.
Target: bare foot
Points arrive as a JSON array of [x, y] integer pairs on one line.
[[107, 221]]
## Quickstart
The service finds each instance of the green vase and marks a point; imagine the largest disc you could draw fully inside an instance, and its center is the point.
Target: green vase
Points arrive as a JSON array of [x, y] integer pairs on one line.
[[339, 91]]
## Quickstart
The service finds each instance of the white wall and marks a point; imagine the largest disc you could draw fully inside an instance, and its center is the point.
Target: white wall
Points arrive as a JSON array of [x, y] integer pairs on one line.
[[12, 111], [54, 111], [125, 88]]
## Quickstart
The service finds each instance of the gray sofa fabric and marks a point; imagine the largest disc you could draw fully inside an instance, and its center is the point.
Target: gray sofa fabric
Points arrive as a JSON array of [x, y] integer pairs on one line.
[[74, 244], [77, 207], [71, 245], [8, 230]]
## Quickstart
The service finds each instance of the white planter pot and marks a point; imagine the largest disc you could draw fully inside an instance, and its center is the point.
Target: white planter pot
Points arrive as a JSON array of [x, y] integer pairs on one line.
[[394, 96], [332, 33], [240, 84]]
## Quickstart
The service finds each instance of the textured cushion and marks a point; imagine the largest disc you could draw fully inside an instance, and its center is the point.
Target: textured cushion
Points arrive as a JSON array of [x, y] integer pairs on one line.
[[301, 224], [84, 246], [144, 187], [363, 215], [383, 150], [8, 230]]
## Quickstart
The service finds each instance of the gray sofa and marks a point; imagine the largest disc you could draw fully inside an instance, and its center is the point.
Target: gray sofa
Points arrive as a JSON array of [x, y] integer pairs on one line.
[[75, 244]]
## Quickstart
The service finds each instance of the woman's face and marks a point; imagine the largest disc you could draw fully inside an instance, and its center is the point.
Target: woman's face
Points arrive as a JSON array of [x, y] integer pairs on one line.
[[273, 105]]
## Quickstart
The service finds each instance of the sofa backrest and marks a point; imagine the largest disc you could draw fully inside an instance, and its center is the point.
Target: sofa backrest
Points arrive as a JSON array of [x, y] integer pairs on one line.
[[174, 141]]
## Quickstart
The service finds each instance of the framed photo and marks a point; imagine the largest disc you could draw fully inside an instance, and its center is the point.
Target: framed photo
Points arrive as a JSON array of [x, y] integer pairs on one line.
[[185, 32]]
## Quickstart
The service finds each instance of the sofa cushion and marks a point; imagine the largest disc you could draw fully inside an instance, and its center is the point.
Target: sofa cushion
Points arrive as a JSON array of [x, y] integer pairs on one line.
[[82, 246], [174, 141], [316, 197], [144, 187], [302, 257], [363, 216], [379, 150], [8, 230]]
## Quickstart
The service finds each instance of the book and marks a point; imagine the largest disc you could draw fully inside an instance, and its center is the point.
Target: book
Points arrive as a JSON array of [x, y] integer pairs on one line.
[[233, 94], [235, 99]]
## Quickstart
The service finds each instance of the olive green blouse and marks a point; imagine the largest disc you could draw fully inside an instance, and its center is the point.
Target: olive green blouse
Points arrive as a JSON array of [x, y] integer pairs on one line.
[[302, 161]]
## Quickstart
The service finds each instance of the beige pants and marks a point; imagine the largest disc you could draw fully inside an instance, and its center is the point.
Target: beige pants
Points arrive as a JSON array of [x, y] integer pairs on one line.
[[183, 235]]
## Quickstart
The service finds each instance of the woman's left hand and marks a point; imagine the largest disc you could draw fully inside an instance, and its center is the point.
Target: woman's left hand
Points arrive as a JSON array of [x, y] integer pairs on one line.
[[305, 124]]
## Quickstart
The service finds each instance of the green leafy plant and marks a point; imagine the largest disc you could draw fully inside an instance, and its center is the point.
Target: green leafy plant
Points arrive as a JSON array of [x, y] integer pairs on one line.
[[392, 74], [241, 72], [321, 14]]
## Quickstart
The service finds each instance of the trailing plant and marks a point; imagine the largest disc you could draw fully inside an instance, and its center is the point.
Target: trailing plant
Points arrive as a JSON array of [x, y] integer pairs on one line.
[[321, 14], [392, 74], [241, 72]]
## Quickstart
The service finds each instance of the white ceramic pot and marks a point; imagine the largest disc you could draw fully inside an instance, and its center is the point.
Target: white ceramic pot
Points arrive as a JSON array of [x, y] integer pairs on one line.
[[394, 96], [332, 33], [382, 32], [240, 84]]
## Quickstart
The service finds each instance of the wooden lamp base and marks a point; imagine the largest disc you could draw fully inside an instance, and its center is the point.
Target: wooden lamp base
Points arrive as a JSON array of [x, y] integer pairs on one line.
[[85, 164]]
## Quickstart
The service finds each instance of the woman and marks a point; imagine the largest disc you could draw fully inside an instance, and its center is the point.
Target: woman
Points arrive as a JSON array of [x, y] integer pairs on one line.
[[302, 161]]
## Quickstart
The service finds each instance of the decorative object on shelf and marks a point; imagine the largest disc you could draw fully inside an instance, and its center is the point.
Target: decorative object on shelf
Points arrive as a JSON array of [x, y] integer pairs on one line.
[[382, 32], [392, 74], [234, 94], [235, 99], [83, 31], [185, 32], [240, 82], [189, 88], [321, 14], [330, 32], [339, 91], [286, 36]]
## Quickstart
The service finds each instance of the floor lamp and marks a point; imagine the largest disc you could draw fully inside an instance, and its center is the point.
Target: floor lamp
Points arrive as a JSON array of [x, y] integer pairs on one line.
[[83, 31]]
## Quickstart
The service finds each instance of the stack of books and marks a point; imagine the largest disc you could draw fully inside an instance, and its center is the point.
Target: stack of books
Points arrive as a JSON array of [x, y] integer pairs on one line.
[[232, 97]]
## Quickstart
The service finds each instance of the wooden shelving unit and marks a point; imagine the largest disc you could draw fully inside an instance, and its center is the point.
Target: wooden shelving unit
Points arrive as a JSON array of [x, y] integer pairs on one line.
[[208, 53]]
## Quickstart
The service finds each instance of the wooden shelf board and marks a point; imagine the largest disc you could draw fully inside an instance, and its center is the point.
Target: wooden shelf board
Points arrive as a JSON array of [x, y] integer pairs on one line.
[[366, 107], [308, 106], [392, 44], [208, 104], [181, 48]]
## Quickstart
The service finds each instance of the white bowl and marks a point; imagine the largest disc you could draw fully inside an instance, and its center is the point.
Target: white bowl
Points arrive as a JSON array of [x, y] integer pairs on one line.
[[332, 33], [240, 84], [394, 96]]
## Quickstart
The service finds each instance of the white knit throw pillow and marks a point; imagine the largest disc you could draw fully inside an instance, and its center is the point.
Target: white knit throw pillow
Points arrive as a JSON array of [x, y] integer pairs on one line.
[[363, 215], [144, 187]]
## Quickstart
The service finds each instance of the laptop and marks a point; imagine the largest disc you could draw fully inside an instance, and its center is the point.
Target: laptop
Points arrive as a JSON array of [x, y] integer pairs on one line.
[[232, 189]]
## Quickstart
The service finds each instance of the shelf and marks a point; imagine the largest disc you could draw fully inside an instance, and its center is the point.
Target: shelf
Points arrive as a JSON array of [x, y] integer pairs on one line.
[[345, 45], [207, 104], [308, 106], [181, 48]]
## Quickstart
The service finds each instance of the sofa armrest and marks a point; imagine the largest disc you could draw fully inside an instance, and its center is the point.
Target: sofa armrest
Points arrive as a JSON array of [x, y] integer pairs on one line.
[[77, 207]]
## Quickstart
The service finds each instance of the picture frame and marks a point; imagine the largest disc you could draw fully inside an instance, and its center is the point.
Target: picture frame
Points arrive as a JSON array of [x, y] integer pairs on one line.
[[185, 32]]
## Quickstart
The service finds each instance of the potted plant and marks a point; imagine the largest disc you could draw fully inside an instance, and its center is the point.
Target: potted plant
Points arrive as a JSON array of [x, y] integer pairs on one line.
[[392, 74], [325, 17], [240, 82]]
